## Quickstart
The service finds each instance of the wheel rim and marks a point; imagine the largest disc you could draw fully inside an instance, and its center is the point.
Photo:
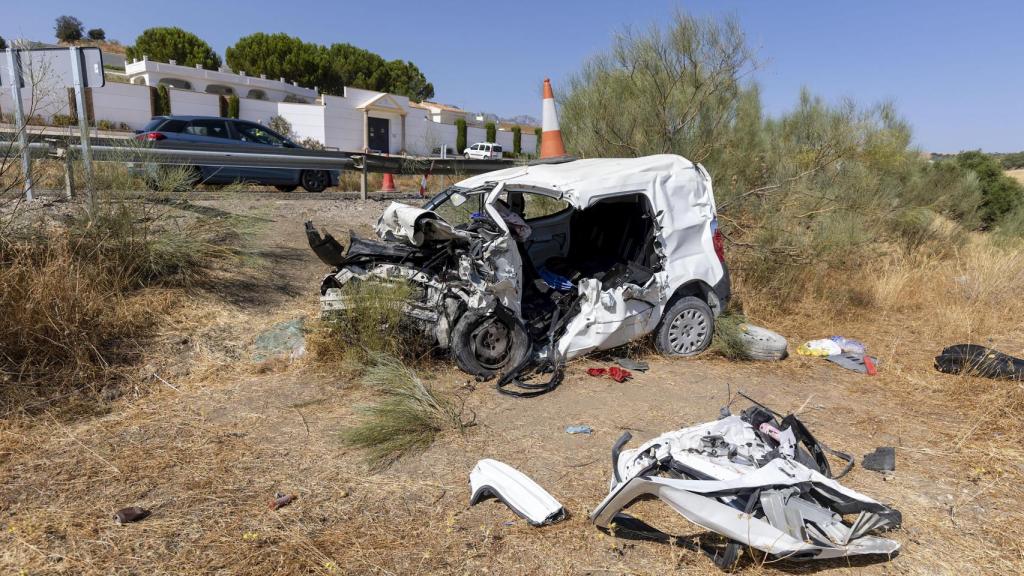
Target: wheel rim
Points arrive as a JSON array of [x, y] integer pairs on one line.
[[688, 331], [314, 180], [492, 342]]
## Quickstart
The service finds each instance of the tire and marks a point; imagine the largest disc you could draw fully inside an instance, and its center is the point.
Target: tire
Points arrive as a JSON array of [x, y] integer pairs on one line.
[[483, 345], [315, 180], [290, 188], [762, 343], [686, 328]]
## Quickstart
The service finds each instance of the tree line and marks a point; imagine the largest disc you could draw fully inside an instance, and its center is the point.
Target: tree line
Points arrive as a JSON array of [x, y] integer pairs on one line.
[[329, 68]]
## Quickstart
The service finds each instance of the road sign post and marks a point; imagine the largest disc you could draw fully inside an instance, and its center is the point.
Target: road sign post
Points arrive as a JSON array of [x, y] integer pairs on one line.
[[14, 68], [77, 74]]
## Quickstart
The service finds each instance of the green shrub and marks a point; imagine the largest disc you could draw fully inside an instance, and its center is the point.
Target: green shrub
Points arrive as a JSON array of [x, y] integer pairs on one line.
[[63, 120], [97, 34], [517, 140], [233, 105], [460, 135], [1000, 194], [492, 131], [538, 133], [163, 101]]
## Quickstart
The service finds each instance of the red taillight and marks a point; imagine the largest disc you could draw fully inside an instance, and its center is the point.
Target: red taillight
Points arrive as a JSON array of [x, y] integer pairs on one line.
[[150, 137], [719, 241]]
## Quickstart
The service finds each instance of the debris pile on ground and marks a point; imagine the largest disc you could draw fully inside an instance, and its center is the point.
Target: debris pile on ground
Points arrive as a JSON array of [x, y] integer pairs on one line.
[[758, 479], [841, 351]]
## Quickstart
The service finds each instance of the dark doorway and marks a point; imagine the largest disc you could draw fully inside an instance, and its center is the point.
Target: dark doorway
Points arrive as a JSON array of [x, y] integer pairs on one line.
[[379, 130]]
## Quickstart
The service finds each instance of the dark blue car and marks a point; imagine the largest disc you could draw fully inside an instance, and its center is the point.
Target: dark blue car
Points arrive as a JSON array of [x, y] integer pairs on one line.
[[215, 130]]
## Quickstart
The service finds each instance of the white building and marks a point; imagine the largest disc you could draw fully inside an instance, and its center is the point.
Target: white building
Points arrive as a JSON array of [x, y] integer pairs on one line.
[[358, 120]]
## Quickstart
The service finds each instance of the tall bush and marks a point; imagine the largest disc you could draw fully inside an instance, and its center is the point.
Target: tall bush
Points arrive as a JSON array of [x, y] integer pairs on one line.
[[492, 131], [97, 34], [801, 196], [517, 140], [164, 44], [538, 133], [460, 135], [163, 100], [233, 106]]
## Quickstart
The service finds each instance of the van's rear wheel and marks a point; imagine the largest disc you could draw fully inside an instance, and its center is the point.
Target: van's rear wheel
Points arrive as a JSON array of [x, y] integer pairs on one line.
[[483, 345], [686, 328]]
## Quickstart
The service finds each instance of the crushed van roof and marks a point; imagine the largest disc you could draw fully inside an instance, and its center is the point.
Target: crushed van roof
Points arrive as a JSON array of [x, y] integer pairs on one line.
[[591, 176]]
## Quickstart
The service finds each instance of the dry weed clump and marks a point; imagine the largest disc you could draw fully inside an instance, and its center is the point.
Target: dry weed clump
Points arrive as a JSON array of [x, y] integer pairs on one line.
[[408, 416]]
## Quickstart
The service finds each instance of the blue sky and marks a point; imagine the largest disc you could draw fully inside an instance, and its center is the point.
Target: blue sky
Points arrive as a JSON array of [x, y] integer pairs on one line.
[[952, 67]]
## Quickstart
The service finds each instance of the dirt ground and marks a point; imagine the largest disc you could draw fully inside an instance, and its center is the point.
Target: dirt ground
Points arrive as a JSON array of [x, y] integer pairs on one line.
[[209, 436]]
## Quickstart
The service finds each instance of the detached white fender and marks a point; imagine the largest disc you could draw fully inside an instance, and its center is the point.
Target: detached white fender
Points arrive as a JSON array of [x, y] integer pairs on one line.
[[524, 496]]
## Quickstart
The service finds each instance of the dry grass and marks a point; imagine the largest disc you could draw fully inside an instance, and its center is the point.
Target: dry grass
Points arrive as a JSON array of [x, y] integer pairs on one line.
[[207, 451], [1017, 174], [71, 289]]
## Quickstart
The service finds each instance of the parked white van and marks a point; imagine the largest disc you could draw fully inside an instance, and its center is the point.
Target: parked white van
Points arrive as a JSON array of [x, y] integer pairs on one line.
[[483, 151]]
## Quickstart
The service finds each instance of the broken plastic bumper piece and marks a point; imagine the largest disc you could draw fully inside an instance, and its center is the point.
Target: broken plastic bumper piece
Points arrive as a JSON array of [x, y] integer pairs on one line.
[[524, 496], [728, 477]]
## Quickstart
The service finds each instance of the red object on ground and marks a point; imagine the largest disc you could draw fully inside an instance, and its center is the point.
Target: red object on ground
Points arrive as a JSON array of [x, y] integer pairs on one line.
[[615, 373], [870, 365], [389, 183], [619, 374]]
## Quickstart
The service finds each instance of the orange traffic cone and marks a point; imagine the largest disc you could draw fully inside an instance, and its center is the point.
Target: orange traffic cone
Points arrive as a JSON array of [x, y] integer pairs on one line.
[[551, 140], [389, 183]]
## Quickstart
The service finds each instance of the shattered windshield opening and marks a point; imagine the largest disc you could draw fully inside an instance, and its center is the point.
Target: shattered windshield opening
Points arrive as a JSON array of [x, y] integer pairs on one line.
[[459, 207]]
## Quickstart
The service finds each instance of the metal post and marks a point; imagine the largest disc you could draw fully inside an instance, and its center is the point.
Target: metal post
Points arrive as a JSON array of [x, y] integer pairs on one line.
[[83, 123], [69, 175], [14, 64], [362, 182]]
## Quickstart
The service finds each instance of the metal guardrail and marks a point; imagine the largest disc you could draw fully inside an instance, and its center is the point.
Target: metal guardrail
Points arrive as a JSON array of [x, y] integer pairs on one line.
[[174, 153], [112, 150]]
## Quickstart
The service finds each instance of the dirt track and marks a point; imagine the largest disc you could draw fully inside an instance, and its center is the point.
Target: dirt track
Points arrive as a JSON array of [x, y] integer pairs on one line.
[[207, 449]]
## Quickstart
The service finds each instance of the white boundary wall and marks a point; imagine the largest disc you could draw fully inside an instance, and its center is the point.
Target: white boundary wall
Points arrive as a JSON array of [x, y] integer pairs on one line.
[[189, 103], [122, 103], [337, 122]]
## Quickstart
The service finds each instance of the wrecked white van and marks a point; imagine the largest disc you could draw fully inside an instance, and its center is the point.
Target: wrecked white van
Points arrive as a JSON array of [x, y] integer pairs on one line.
[[518, 270]]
